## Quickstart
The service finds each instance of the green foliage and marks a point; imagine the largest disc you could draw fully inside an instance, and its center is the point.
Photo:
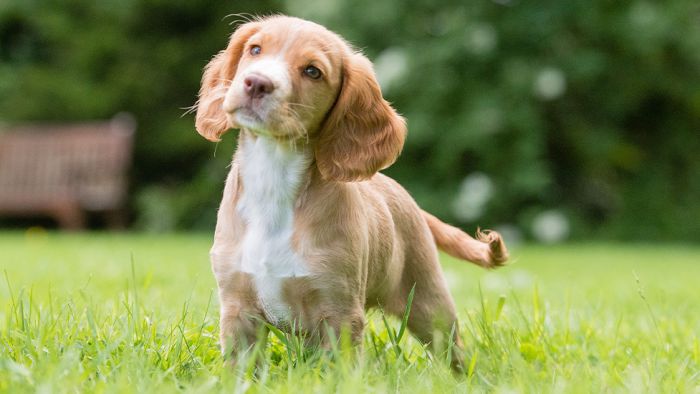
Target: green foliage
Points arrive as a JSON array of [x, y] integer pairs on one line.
[[136, 313], [591, 108]]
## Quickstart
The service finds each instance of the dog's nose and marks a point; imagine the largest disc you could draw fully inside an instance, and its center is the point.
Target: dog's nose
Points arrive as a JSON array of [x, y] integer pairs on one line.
[[257, 86]]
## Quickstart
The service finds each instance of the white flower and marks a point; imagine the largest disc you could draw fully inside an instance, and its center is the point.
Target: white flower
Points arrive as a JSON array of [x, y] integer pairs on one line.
[[550, 227], [475, 192], [511, 234], [481, 39], [550, 83], [390, 66]]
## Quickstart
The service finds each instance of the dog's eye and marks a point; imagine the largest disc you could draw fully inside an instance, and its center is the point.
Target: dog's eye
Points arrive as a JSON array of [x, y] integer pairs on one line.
[[255, 50], [312, 72]]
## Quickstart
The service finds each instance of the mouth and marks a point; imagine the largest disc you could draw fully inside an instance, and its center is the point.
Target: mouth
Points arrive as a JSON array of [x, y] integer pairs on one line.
[[247, 118]]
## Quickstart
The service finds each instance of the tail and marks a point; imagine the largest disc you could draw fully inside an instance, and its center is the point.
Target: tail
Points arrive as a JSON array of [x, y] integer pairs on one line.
[[488, 249]]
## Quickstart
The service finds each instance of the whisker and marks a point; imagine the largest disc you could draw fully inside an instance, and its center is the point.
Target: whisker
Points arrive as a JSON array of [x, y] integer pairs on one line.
[[215, 94], [293, 125], [292, 113], [190, 109], [223, 80], [243, 17], [301, 105]]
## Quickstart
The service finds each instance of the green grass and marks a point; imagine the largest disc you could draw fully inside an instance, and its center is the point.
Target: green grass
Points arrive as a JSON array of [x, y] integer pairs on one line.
[[77, 315]]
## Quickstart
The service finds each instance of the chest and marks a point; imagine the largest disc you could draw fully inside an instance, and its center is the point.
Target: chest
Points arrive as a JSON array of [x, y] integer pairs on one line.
[[272, 176]]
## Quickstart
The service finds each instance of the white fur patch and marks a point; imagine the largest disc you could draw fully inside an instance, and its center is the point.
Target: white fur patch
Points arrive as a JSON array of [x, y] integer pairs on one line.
[[272, 174]]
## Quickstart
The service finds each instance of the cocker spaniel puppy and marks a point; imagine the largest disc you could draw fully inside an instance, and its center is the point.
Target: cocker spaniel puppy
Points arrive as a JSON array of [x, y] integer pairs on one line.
[[309, 234]]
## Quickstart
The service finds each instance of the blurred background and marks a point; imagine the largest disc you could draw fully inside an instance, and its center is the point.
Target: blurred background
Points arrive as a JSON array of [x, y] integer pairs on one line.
[[547, 120]]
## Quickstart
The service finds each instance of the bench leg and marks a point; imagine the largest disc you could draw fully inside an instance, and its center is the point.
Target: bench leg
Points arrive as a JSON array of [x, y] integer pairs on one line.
[[116, 219], [70, 217]]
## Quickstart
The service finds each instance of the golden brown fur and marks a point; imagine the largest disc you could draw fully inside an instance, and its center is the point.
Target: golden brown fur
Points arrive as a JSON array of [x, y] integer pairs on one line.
[[362, 238]]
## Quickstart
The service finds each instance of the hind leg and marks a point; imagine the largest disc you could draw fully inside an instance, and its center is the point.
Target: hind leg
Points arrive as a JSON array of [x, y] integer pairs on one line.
[[432, 319]]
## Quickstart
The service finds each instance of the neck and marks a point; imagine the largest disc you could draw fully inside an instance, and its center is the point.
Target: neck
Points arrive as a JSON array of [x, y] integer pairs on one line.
[[273, 175]]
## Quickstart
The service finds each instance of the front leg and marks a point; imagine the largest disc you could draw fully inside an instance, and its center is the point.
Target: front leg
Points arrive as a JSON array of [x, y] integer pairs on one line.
[[326, 310], [241, 321], [340, 322], [240, 331]]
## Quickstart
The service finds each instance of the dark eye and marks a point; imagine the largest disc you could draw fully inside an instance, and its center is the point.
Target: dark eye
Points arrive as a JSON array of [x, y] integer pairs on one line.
[[255, 50], [312, 72]]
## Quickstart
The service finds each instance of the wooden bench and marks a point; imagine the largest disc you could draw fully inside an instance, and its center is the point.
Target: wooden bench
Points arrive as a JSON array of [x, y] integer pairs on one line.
[[65, 171]]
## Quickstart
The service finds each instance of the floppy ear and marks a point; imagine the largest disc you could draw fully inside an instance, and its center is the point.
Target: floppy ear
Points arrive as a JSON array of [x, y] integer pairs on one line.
[[210, 121], [362, 134]]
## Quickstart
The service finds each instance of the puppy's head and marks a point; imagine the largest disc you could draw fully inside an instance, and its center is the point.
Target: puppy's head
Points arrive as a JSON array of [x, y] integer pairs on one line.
[[291, 79]]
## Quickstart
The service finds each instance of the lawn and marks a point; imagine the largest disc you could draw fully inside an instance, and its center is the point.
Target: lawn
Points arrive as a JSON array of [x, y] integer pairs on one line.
[[138, 313]]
